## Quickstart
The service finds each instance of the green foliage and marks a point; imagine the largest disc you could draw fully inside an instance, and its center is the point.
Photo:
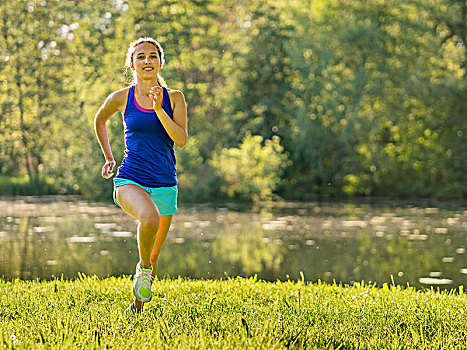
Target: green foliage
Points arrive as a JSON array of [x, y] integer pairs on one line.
[[262, 98], [251, 171], [368, 98], [22, 186], [197, 181], [234, 313], [33, 74], [370, 120]]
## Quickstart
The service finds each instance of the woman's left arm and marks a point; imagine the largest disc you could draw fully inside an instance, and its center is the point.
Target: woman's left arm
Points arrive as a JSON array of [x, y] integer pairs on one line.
[[178, 127]]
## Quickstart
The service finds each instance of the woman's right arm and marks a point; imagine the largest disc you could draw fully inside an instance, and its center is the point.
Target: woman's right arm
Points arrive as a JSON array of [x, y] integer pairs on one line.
[[111, 105]]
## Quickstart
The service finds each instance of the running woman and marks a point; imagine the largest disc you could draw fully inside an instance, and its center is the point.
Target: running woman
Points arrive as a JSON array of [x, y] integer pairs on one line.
[[145, 187]]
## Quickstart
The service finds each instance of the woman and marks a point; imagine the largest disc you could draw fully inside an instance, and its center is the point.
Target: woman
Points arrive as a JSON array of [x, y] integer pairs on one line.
[[145, 186]]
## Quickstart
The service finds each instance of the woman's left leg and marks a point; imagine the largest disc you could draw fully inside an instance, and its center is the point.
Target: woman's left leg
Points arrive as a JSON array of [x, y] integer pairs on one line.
[[166, 221], [164, 226]]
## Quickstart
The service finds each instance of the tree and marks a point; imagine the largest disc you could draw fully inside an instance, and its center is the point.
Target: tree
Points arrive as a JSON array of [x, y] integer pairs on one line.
[[32, 73], [369, 120], [262, 94]]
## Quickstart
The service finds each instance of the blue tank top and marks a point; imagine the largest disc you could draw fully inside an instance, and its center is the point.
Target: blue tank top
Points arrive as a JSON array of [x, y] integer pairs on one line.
[[149, 157]]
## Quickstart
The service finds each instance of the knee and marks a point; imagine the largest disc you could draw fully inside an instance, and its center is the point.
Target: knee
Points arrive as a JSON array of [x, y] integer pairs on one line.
[[151, 219]]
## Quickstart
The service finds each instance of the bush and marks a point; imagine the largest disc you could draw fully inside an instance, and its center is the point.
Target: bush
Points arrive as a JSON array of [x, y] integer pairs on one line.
[[21, 186], [252, 171], [197, 182]]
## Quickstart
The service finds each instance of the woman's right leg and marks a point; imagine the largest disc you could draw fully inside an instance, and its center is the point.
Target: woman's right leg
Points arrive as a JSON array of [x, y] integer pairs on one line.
[[164, 227], [137, 203]]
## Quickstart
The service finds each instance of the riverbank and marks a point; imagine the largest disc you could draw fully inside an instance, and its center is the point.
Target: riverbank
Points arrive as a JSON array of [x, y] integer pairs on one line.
[[235, 313]]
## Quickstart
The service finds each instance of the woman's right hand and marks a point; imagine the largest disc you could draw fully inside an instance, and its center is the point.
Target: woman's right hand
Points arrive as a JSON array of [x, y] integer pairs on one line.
[[108, 168]]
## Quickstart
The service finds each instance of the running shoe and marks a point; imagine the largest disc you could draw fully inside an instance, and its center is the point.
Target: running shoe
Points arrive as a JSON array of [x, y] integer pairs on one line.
[[131, 310], [142, 284]]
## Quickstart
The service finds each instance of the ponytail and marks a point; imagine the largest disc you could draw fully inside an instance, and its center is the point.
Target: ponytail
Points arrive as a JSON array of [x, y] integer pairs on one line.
[[160, 81]]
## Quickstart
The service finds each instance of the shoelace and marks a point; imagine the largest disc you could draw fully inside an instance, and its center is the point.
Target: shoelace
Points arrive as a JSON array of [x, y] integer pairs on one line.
[[146, 279]]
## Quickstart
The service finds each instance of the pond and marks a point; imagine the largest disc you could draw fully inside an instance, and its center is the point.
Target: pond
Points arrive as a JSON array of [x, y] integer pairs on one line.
[[48, 237]]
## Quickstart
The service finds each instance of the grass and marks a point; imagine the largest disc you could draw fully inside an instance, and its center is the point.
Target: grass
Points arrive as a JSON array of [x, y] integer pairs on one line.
[[229, 314]]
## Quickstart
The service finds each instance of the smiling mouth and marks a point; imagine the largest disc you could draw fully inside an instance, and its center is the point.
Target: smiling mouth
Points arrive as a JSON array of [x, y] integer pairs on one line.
[[148, 68]]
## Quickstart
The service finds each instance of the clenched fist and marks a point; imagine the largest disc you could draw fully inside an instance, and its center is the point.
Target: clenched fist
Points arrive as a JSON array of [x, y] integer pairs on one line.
[[108, 168], [156, 93]]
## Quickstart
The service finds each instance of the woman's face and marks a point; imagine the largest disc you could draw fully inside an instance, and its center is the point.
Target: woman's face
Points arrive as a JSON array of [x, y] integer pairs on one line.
[[146, 61]]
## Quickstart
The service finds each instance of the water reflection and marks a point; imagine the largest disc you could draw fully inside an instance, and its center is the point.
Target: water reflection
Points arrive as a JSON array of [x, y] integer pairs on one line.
[[45, 238]]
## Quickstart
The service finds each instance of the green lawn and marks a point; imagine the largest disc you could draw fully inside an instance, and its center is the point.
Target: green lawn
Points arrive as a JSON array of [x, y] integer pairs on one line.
[[229, 314]]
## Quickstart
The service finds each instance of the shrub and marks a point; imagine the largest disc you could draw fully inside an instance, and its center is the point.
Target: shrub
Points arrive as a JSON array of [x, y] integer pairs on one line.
[[252, 171]]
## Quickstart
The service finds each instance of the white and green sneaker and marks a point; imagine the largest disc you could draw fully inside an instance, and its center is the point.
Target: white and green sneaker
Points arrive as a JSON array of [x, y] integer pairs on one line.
[[142, 284]]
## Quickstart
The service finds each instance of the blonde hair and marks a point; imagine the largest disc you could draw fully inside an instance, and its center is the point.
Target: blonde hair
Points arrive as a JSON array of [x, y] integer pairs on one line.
[[131, 52]]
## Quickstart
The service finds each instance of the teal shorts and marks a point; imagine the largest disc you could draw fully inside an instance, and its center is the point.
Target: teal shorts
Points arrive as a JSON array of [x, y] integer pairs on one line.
[[165, 198]]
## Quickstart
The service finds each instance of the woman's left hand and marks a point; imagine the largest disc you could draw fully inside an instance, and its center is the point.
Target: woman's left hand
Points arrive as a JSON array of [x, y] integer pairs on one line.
[[156, 94]]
